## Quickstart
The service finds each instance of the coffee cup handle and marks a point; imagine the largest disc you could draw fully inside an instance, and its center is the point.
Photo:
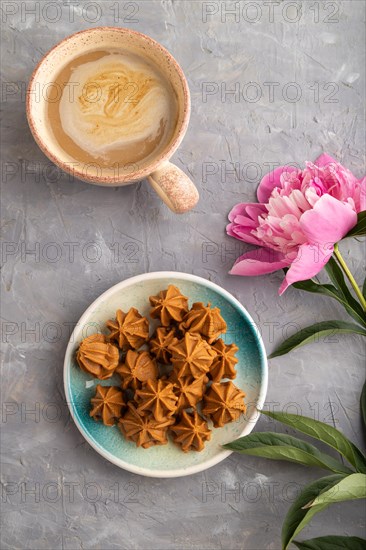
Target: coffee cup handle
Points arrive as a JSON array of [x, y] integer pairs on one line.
[[174, 187]]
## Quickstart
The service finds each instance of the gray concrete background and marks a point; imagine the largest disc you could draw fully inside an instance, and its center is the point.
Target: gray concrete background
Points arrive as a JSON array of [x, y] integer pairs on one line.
[[79, 500]]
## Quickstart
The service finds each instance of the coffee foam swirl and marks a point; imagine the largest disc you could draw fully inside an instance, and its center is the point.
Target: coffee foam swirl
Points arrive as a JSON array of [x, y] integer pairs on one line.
[[117, 100]]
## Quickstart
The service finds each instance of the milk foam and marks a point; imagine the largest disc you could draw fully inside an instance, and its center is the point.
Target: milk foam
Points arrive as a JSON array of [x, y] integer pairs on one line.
[[115, 101]]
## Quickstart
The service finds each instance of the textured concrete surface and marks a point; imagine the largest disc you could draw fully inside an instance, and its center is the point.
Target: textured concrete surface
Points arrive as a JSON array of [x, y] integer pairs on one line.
[[66, 242]]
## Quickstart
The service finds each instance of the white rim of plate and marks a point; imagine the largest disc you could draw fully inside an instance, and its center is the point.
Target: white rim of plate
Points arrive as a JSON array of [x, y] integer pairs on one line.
[[180, 471]]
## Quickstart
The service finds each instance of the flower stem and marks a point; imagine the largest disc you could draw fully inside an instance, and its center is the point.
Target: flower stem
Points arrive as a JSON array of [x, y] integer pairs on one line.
[[349, 275]]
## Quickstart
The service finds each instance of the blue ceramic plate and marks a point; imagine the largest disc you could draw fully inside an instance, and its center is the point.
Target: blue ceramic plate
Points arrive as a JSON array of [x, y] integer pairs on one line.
[[166, 460]]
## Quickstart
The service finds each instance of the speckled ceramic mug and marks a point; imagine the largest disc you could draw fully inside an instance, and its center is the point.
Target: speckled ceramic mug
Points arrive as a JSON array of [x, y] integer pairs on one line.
[[171, 184]]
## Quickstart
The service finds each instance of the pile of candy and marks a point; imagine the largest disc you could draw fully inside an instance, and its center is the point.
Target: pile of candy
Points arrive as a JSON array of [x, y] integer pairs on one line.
[[174, 385]]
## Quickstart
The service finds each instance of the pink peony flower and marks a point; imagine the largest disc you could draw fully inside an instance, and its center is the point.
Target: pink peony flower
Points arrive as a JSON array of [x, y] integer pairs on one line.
[[300, 216]]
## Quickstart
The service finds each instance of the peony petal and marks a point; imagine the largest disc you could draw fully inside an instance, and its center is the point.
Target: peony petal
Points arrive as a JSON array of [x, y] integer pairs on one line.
[[310, 260], [270, 181], [362, 183], [324, 160], [237, 210], [247, 222], [242, 233], [247, 208], [254, 210], [259, 262], [244, 218], [328, 221]]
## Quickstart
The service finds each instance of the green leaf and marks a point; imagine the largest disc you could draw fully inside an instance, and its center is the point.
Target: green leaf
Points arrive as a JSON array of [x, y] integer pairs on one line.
[[351, 305], [325, 433], [285, 447], [297, 517], [353, 308], [364, 289], [332, 542], [310, 285], [363, 405], [314, 332], [360, 228], [352, 487], [316, 288], [334, 291]]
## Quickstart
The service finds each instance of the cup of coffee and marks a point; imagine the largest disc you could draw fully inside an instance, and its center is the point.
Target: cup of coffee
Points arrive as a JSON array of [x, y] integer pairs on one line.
[[110, 106]]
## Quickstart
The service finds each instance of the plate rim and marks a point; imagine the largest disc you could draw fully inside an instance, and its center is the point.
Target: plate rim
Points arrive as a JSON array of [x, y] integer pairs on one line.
[[179, 472]]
